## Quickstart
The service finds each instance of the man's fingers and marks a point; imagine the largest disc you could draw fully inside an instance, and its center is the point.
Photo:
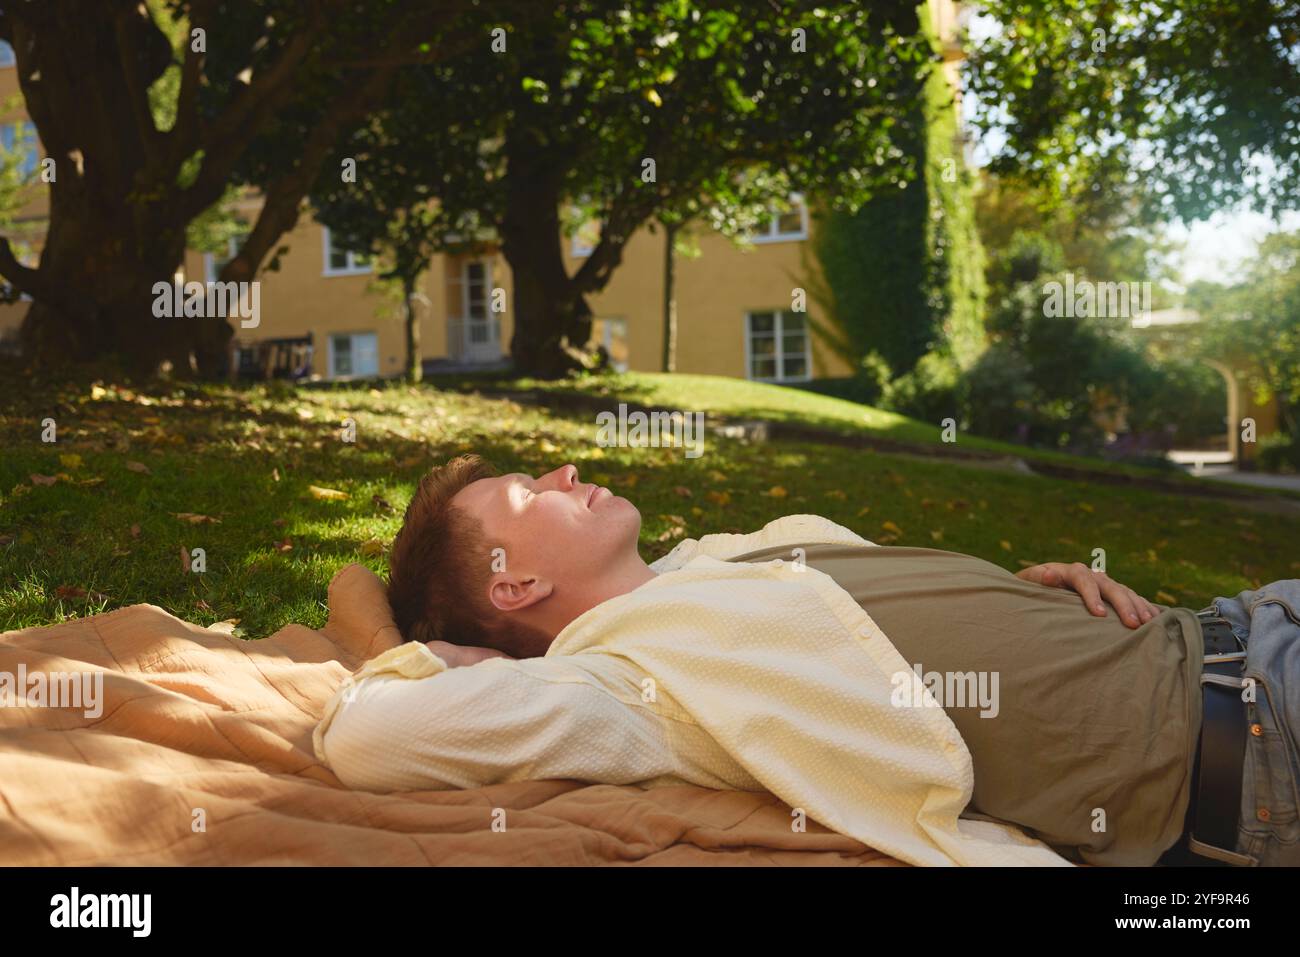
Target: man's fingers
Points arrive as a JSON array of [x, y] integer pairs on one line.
[[1121, 599], [1085, 583]]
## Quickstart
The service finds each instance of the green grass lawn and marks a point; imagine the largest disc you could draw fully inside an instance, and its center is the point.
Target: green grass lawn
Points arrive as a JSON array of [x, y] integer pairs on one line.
[[100, 518], [721, 395]]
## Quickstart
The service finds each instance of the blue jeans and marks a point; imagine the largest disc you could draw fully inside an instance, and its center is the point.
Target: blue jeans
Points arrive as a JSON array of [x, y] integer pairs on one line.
[[1267, 621]]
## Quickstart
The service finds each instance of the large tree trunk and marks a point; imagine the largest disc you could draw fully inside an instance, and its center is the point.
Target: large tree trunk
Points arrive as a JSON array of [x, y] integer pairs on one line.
[[112, 233], [125, 190], [552, 318]]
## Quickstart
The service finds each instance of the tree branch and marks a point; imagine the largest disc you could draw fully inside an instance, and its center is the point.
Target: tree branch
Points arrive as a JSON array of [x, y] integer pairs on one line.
[[136, 91], [185, 132], [56, 294]]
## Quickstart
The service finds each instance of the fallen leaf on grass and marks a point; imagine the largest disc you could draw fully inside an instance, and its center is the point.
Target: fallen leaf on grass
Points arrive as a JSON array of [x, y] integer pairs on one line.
[[185, 558], [70, 591], [284, 546], [43, 479], [226, 627], [328, 494], [891, 527], [138, 467], [381, 503], [135, 531], [683, 491], [70, 460], [1166, 599], [719, 498], [1006, 545], [372, 547], [196, 519], [776, 491]]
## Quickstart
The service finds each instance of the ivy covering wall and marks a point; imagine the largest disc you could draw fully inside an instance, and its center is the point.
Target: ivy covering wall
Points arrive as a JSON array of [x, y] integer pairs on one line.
[[904, 276]]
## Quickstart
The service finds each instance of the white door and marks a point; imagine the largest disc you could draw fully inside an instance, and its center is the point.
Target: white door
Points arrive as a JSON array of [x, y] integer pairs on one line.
[[481, 331]]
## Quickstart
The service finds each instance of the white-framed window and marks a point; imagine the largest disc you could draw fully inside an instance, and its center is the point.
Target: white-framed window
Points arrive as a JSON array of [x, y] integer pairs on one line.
[[21, 138], [342, 262], [212, 266], [7, 57], [787, 227], [776, 346], [353, 355]]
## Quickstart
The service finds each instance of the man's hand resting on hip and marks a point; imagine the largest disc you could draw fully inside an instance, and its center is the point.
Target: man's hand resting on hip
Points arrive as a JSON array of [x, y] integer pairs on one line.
[[1093, 587], [460, 656]]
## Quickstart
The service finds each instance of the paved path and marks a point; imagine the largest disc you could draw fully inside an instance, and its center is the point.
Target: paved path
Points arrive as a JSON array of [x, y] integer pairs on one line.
[[1226, 473]]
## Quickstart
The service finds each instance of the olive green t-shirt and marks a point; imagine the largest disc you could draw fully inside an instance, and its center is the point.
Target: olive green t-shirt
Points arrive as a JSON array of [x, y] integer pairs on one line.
[[1080, 730]]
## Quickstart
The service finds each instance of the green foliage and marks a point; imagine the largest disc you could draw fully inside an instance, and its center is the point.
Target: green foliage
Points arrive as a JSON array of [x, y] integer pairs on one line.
[[1183, 108], [930, 391], [737, 104], [1045, 379], [956, 283], [1256, 324], [1279, 452]]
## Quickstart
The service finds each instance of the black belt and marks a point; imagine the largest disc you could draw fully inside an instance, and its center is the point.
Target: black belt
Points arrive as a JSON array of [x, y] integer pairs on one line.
[[1214, 812]]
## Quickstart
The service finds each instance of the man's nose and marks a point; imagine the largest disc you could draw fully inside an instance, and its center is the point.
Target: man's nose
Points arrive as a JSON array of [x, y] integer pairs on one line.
[[564, 478]]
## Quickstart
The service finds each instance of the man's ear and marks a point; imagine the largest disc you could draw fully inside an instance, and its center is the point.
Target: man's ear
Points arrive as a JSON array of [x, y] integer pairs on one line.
[[511, 593]]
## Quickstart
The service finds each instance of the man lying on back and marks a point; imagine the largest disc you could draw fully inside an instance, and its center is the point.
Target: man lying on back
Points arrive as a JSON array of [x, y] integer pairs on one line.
[[929, 704]]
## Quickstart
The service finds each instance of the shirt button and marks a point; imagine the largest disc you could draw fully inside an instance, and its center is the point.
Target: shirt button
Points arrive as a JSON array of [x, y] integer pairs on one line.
[[1263, 814], [1257, 730]]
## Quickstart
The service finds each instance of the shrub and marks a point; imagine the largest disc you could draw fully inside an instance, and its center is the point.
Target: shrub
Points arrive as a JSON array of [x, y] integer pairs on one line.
[[930, 392], [1278, 452]]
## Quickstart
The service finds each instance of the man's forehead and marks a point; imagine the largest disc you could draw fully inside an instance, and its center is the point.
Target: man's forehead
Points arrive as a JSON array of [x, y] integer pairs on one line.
[[482, 491]]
